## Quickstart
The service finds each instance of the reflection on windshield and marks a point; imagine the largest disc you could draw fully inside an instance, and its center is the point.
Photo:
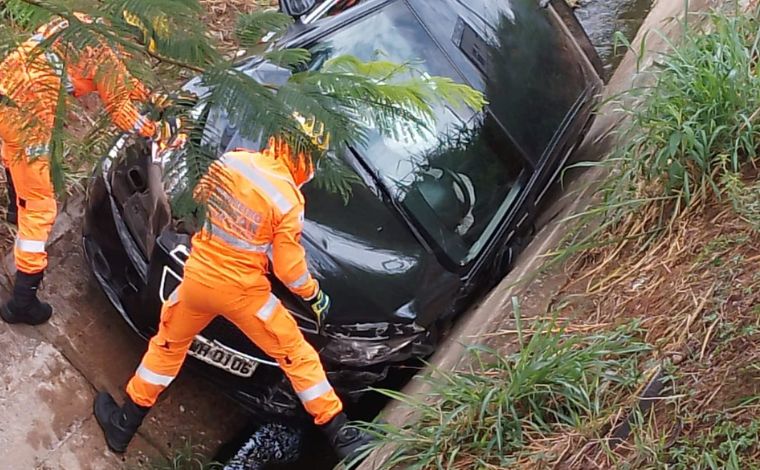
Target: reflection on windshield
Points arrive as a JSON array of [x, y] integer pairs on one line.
[[458, 179], [223, 136]]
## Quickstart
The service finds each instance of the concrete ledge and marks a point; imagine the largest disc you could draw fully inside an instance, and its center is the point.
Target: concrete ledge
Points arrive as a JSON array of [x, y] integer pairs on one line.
[[663, 22]]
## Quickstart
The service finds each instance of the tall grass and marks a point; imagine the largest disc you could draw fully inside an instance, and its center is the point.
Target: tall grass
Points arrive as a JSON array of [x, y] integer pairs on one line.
[[690, 136], [482, 417], [698, 121]]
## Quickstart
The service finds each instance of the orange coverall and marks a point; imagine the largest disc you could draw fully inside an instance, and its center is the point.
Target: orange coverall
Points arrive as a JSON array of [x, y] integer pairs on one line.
[[255, 207], [30, 82]]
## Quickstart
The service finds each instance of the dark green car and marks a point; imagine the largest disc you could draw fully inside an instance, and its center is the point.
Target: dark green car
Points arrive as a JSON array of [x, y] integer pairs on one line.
[[433, 225]]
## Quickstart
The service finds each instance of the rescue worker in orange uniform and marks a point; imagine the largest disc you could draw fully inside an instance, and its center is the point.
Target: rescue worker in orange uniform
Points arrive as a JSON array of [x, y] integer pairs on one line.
[[31, 79], [254, 208]]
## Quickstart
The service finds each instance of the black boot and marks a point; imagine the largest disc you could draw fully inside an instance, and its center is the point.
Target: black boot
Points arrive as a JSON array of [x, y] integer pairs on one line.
[[346, 440], [24, 306], [12, 214], [119, 424]]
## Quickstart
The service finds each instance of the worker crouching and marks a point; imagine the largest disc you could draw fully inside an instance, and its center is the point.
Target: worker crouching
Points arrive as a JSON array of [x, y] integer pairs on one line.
[[254, 208]]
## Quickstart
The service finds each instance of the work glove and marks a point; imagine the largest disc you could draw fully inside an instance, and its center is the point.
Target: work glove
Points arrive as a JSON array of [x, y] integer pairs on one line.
[[320, 306]]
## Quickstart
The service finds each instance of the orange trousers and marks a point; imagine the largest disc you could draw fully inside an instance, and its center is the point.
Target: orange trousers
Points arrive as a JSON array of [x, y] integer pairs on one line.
[[27, 160], [260, 315]]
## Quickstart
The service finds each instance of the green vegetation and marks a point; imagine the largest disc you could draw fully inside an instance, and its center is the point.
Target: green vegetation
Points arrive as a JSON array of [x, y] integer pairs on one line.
[[672, 246], [349, 97], [690, 136], [697, 122], [721, 447], [186, 458], [483, 417]]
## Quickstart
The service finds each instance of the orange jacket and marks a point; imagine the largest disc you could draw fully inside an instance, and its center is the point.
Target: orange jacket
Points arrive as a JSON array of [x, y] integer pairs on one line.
[[254, 208], [31, 80]]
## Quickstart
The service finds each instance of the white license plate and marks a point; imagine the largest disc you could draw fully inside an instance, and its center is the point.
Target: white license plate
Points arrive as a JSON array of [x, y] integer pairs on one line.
[[222, 357]]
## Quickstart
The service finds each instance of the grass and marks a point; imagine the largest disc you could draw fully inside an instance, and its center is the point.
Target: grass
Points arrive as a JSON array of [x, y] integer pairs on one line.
[[724, 446], [675, 244], [697, 122], [484, 416], [690, 136], [188, 457]]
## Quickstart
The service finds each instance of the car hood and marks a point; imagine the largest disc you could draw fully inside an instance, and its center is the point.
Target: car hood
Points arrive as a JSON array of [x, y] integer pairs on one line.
[[369, 284], [370, 263]]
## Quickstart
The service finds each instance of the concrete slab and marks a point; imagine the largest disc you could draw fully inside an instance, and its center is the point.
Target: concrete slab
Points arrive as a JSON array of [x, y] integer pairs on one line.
[[44, 401], [82, 452], [49, 375]]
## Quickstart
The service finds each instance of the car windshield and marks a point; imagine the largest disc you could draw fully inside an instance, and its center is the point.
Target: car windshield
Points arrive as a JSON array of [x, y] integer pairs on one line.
[[458, 180]]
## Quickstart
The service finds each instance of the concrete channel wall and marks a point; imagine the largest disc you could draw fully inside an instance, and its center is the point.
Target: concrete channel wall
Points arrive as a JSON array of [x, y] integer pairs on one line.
[[664, 23]]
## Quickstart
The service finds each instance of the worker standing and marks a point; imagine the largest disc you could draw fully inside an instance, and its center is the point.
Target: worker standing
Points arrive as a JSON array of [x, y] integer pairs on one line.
[[254, 208], [31, 80]]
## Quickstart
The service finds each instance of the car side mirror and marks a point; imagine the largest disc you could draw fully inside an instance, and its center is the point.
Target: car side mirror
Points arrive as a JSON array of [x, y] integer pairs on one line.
[[297, 8]]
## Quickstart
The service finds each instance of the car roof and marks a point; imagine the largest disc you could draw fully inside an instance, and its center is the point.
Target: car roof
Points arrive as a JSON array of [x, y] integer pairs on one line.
[[443, 20]]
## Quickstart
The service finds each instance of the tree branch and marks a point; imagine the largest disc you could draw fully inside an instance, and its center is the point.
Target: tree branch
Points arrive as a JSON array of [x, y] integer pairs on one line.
[[96, 28]]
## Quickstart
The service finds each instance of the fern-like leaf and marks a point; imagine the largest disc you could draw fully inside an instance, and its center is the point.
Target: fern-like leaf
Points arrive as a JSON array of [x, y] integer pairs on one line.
[[253, 27]]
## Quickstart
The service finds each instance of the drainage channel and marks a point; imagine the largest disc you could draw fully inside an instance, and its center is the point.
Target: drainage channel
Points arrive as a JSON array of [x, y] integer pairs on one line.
[[603, 19], [272, 446]]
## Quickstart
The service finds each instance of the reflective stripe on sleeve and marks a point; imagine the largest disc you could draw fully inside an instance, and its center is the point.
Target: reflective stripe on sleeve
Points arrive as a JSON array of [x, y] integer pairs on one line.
[[60, 69], [153, 378], [237, 242], [300, 282], [314, 392], [259, 180], [266, 311], [30, 246]]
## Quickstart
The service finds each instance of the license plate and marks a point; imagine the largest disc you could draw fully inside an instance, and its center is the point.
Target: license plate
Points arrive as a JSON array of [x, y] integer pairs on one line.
[[222, 357]]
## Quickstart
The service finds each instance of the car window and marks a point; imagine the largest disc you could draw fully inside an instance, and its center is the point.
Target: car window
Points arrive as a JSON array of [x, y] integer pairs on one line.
[[458, 180]]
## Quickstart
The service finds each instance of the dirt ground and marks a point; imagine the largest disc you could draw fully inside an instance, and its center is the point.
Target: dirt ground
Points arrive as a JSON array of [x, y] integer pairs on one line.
[[50, 374]]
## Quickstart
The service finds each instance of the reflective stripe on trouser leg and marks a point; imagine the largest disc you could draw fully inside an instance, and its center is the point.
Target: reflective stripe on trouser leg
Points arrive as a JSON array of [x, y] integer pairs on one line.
[[321, 401], [266, 322], [158, 368], [166, 353], [36, 213]]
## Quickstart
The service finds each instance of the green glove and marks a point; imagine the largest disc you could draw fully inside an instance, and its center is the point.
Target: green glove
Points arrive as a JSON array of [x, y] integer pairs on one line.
[[320, 305]]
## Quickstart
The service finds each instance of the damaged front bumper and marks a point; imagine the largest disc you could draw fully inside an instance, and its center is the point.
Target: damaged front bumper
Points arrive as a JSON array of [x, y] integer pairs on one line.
[[371, 344]]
